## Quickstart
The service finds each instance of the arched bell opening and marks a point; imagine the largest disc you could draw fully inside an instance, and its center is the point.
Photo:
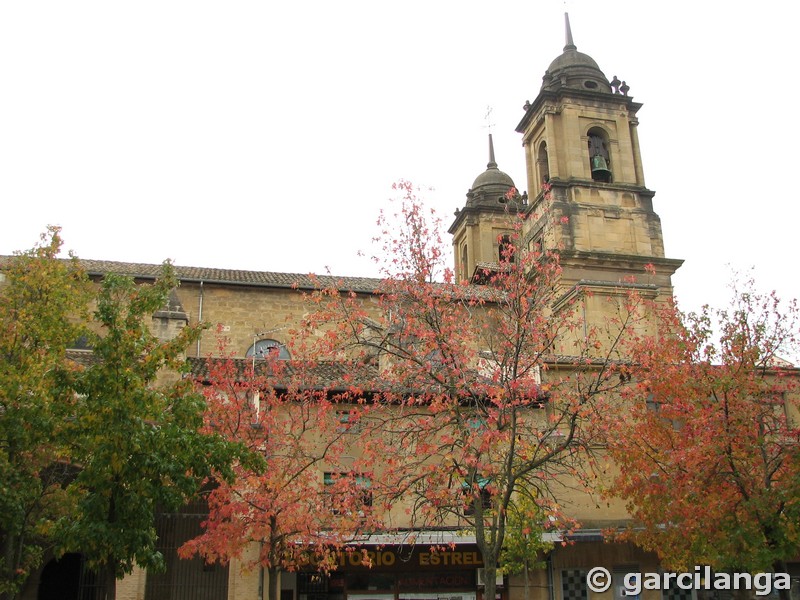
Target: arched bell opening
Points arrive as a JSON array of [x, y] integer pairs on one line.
[[543, 164]]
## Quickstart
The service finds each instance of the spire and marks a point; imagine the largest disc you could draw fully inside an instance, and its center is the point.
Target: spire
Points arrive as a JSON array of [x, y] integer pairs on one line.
[[570, 44], [490, 185]]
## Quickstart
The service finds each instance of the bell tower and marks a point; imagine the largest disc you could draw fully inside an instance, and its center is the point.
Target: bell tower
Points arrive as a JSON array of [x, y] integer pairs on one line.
[[585, 168], [482, 226]]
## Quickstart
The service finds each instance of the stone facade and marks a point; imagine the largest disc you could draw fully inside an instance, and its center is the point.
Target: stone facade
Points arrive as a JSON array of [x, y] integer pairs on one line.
[[597, 213]]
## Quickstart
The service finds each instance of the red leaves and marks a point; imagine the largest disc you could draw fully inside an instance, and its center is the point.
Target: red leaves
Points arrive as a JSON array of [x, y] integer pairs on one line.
[[296, 427], [459, 416]]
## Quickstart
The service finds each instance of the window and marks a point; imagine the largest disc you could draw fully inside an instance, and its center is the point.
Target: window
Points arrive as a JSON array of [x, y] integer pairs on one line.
[[348, 422], [312, 583], [369, 581], [485, 495], [536, 243], [618, 578], [477, 424], [655, 406], [505, 248], [255, 402], [362, 487], [424, 352], [268, 349], [82, 343]]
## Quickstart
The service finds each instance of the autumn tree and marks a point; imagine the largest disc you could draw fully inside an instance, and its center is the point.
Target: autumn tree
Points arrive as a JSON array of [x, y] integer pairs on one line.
[[42, 299], [304, 502], [475, 407], [135, 437], [708, 451]]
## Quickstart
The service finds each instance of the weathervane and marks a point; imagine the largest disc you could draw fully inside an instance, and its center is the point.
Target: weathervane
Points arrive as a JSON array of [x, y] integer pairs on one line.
[[488, 118]]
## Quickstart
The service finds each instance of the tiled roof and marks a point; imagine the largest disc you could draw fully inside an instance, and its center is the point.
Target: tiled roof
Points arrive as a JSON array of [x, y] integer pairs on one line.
[[234, 276], [265, 279], [84, 358], [330, 375]]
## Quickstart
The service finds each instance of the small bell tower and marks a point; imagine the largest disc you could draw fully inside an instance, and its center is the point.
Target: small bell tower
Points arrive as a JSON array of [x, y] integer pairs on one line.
[[483, 226], [585, 175]]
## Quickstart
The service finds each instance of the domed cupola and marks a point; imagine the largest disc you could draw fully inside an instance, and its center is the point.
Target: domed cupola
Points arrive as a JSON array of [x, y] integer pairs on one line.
[[483, 227], [574, 70], [491, 186]]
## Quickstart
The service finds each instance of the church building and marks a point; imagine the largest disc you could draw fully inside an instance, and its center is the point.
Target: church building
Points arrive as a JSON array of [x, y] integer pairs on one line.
[[587, 198]]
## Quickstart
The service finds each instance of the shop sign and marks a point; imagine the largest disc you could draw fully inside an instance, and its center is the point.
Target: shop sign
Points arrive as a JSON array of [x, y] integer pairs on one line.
[[458, 557]]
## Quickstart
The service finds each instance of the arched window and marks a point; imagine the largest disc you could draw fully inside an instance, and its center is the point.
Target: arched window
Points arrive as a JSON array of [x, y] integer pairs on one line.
[[268, 349], [505, 248], [464, 273], [542, 164], [599, 158]]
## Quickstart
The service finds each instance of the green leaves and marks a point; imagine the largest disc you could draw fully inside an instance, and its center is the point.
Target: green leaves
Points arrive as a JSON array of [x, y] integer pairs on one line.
[[136, 431], [524, 544], [89, 453], [42, 304]]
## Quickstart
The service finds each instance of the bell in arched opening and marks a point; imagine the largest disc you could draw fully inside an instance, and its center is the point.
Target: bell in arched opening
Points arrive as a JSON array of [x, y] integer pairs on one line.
[[600, 170], [599, 159]]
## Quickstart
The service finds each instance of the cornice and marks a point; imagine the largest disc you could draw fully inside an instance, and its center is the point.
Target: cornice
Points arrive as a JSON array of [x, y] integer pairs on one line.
[[538, 107]]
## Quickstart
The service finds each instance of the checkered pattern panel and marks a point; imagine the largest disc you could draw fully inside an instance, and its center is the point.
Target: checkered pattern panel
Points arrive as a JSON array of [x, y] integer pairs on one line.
[[573, 585], [676, 593]]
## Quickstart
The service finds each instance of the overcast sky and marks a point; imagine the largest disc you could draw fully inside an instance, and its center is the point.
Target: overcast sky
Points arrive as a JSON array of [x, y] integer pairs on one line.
[[266, 135]]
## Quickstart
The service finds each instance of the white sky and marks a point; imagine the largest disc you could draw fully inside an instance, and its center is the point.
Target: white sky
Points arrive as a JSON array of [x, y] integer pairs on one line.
[[265, 135]]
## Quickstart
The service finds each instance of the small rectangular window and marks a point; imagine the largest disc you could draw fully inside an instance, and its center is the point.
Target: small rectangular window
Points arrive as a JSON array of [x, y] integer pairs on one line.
[[618, 577], [363, 488], [655, 406], [348, 422], [485, 496]]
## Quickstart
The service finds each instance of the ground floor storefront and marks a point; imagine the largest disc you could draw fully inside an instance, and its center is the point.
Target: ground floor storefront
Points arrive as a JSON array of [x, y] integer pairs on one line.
[[445, 569], [415, 572]]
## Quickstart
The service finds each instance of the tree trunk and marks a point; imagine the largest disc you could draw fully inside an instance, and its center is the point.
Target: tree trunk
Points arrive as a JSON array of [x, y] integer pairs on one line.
[[527, 581], [111, 585], [110, 571], [7, 569], [109, 578], [272, 584], [489, 584]]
